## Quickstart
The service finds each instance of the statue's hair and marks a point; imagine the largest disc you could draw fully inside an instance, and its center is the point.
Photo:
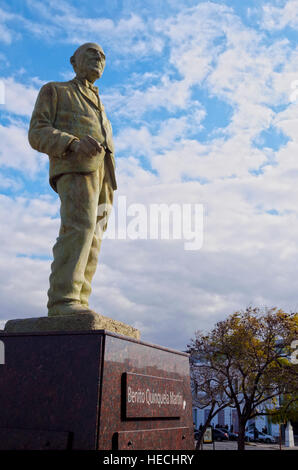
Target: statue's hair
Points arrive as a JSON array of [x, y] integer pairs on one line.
[[83, 47]]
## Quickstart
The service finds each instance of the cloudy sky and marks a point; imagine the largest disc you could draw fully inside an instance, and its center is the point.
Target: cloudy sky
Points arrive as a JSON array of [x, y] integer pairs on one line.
[[202, 99]]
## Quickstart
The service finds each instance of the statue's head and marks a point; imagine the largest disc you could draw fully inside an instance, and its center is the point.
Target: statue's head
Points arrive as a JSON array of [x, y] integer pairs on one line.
[[88, 61]]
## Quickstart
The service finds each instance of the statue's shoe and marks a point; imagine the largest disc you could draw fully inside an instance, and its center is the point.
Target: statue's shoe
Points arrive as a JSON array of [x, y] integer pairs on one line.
[[68, 308]]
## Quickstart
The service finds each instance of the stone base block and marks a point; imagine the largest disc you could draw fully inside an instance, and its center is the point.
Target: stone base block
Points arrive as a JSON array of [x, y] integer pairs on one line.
[[75, 322], [93, 390]]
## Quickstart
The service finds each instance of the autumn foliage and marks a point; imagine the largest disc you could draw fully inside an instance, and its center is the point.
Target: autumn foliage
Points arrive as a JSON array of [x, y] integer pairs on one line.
[[244, 362]]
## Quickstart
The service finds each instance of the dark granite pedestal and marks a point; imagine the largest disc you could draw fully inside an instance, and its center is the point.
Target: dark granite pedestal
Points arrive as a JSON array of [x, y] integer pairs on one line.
[[93, 390]]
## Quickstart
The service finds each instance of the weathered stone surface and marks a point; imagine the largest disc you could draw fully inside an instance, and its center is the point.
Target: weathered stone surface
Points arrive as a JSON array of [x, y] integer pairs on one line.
[[69, 124], [79, 322]]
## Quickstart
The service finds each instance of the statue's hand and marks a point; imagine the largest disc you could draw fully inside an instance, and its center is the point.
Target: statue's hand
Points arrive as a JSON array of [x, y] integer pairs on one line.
[[86, 146]]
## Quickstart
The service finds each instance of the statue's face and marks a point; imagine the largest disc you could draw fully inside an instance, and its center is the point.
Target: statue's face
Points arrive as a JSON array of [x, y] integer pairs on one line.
[[90, 63]]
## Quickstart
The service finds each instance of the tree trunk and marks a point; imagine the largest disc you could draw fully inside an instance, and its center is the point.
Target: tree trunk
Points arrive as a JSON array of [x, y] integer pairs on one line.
[[241, 435]]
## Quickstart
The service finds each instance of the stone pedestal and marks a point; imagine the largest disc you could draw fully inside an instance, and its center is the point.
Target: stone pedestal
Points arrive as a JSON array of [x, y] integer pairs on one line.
[[74, 322], [92, 390]]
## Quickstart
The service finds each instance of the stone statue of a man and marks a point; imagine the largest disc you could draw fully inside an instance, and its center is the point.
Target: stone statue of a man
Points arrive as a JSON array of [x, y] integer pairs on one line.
[[70, 125]]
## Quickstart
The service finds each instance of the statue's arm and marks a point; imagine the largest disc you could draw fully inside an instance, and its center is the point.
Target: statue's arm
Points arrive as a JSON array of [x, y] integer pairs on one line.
[[43, 136]]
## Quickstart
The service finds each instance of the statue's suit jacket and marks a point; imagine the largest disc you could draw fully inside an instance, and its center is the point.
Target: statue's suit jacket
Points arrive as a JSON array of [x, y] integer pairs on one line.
[[65, 111]]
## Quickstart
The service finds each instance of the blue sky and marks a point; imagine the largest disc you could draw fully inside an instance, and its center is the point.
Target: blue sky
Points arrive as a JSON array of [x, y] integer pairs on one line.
[[199, 96]]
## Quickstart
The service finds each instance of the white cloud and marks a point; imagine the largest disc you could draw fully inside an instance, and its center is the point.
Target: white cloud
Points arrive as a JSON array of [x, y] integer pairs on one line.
[[276, 17], [249, 254], [19, 98], [16, 153], [192, 33], [12, 183], [144, 142], [64, 22], [24, 284], [168, 94], [6, 34], [30, 226], [28, 230]]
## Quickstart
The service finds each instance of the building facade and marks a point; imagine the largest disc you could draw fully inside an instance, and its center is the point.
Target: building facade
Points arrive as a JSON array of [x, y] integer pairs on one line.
[[228, 417]]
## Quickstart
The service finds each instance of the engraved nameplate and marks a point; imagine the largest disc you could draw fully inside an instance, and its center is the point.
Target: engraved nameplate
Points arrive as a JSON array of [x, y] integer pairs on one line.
[[147, 396]]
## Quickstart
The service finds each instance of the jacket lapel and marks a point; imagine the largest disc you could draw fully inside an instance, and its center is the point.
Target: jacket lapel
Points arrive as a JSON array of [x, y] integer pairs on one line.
[[99, 107], [87, 94]]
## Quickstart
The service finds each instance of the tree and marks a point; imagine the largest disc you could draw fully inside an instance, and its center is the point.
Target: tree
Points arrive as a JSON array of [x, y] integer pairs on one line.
[[248, 354], [208, 391], [286, 411]]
